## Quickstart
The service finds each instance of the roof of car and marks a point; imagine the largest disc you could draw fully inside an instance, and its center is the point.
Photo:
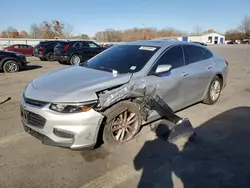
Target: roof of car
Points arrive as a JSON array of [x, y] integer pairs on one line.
[[157, 43]]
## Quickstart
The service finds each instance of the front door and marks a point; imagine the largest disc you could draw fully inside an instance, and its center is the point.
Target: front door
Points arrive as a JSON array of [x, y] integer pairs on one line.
[[168, 85]]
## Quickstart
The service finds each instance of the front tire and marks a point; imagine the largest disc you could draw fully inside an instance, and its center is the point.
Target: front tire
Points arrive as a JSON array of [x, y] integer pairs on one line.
[[122, 124], [214, 91], [11, 66]]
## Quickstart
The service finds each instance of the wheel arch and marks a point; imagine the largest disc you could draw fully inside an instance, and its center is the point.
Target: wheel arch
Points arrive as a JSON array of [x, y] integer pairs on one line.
[[221, 78], [7, 59], [106, 112], [218, 75]]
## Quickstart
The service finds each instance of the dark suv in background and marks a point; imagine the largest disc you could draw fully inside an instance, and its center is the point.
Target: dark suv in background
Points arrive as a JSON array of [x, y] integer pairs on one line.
[[45, 49], [74, 52]]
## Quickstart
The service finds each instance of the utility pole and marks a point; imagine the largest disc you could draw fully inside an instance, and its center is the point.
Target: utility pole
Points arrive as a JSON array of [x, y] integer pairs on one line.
[[143, 31]]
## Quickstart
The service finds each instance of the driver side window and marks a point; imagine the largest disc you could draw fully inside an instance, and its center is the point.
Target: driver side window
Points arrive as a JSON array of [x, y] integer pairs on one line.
[[173, 56]]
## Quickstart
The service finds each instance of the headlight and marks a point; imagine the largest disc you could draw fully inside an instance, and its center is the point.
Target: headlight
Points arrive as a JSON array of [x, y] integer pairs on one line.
[[73, 108]]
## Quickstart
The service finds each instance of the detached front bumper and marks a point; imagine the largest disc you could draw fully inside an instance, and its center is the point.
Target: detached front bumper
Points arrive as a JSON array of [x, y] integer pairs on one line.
[[78, 130]]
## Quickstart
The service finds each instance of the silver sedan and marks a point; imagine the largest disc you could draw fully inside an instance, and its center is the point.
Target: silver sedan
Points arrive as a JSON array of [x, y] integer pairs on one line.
[[73, 106]]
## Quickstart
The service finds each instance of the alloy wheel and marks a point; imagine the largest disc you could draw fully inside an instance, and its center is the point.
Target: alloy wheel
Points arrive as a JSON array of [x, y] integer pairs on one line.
[[215, 90], [11, 66], [124, 127], [76, 60]]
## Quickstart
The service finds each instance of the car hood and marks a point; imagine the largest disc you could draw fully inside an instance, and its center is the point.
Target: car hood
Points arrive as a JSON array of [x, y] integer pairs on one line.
[[73, 84]]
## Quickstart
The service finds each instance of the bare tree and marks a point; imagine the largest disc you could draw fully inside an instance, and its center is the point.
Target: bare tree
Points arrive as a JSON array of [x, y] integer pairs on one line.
[[198, 29], [35, 31], [57, 28], [210, 31], [23, 34], [4, 34], [68, 31], [234, 35], [245, 26], [12, 32]]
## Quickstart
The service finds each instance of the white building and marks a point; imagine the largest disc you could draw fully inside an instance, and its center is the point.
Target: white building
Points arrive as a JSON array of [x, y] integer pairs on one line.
[[209, 38]]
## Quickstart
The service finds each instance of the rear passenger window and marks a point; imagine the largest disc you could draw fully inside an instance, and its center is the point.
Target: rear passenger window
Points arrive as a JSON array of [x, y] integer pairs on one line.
[[173, 56], [78, 45], [93, 45], [194, 54], [85, 45]]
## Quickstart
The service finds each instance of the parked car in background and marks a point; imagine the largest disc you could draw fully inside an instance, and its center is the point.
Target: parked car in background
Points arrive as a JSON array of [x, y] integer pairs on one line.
[[108, 45], [67, 107], [12, 61], [232, 42], [201, 43], [21, 48], [74, 52], [245, 41], [45, 49]]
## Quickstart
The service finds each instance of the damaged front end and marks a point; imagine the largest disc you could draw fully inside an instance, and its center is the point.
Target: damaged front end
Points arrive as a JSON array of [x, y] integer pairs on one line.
[[131, 90], [148, 101]]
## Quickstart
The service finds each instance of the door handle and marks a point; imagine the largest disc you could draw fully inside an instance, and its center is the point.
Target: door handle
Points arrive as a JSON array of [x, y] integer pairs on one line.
[[209, 66], [185, 74]]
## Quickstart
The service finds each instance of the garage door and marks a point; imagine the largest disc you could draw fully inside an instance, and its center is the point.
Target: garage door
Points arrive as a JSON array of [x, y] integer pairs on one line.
[[221, 40], [185, 39]]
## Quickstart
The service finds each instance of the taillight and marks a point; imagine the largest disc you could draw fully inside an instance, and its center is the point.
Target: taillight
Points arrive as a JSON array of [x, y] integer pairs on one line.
[[226, 62], [40, 48], [66, 47]]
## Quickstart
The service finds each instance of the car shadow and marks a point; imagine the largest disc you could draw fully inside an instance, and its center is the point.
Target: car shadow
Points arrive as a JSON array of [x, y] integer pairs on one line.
[[32, 67], [217, 157]]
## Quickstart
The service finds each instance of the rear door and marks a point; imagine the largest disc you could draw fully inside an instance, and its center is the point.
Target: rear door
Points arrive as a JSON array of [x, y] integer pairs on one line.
[[24, 49], [197, 73], [29, 50]]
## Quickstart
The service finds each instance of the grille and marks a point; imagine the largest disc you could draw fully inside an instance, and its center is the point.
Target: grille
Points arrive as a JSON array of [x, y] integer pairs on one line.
[[35, 102], [33, 119]]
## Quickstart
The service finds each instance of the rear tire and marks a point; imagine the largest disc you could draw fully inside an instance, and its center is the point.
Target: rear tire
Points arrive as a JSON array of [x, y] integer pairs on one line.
[[122, 124], [214, 91], [75, 59], [11, 66], [50, 56]]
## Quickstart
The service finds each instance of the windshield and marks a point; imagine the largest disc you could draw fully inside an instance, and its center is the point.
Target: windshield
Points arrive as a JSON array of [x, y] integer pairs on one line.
[[123, 58]]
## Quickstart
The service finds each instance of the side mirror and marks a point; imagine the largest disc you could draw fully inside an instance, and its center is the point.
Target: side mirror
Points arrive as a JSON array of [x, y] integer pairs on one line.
[[163, 68]]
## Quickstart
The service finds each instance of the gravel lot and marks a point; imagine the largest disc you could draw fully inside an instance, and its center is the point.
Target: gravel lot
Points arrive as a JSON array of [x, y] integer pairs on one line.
[[219, 157]]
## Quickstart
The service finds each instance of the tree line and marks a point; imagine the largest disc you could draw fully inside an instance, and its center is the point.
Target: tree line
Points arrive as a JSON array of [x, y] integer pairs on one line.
[[56, 29], [241, 32]]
